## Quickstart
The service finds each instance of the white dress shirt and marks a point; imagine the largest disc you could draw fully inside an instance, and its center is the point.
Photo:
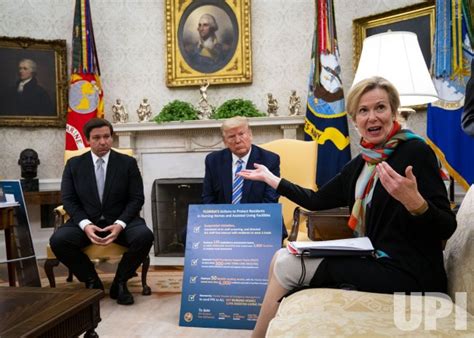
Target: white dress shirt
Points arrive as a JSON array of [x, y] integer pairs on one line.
[[244, 159], [22, 84]]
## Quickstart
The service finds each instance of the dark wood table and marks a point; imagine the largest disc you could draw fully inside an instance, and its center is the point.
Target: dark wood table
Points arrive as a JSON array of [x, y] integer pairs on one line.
[[46, 200], [43, 197], [46, 312]]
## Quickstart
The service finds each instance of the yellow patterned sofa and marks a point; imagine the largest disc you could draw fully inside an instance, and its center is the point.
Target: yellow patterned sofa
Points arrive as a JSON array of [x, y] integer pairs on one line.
[[330, 312]]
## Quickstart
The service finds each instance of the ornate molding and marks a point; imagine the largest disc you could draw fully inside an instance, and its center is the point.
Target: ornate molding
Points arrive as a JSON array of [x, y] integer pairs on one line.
[[199, 134], [135, 127]]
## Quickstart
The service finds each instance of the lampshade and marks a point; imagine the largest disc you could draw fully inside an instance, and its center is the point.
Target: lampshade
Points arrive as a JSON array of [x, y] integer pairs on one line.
[[397, 57]]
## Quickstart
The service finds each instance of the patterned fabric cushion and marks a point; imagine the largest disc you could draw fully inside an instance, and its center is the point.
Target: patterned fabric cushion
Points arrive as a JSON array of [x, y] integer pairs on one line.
[[459, 253], [330, 312]]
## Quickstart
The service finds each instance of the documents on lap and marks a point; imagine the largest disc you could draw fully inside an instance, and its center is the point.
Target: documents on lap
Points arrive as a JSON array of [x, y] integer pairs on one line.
[[359, 246]]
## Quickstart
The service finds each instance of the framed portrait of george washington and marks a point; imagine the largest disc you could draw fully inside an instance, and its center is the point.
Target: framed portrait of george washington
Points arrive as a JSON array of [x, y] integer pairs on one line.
[[33, 84], [418, 19], [208, 40]]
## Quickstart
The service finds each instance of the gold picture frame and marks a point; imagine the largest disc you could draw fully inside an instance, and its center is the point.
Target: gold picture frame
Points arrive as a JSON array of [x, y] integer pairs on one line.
[[224, 58], [419, 19], [33, 84]]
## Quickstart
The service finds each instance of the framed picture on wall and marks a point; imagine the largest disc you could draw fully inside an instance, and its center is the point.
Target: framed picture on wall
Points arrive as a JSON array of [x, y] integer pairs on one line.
[[419, 19], [208, 40], [33, 83]]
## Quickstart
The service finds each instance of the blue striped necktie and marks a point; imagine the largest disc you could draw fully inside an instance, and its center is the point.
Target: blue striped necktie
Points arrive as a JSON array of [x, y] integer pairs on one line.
[[237, 184]]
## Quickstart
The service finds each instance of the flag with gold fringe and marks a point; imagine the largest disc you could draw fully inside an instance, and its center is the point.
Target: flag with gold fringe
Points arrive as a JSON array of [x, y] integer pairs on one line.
[[85, 91], [452, 55], [326, 118]]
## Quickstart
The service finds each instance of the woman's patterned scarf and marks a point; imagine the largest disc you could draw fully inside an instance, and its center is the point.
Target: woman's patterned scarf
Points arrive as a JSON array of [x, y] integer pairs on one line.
[[366, 181]]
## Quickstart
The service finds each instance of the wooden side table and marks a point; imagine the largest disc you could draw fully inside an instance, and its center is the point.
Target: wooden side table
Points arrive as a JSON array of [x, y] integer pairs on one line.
[[43, 197], [47, 200]]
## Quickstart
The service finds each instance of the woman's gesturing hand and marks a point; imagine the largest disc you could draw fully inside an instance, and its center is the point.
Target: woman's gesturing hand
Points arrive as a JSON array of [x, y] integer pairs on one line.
[[260, 173], [402, 188]]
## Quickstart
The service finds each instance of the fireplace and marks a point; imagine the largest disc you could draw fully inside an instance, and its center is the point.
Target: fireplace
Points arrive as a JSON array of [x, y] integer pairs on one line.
[[170, 200], [176, 151]]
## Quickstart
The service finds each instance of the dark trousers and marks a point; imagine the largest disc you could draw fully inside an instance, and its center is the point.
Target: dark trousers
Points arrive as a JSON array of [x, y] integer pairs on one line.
[[69, 240]]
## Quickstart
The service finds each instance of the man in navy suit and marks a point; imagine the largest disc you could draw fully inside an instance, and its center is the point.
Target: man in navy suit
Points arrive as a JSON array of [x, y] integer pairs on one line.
[[221, 167], [102, 191]]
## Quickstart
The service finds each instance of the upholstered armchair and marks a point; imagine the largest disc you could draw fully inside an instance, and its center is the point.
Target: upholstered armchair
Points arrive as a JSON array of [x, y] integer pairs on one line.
[[96, 253], [336, 312], [298, 165]]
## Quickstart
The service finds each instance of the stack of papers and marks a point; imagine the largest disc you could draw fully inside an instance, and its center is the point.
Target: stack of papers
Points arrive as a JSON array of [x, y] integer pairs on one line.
[[360, 246], [8, 204]]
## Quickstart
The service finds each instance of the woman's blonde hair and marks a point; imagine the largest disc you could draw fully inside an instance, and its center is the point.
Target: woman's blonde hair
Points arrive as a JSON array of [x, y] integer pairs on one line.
[[364, 86]]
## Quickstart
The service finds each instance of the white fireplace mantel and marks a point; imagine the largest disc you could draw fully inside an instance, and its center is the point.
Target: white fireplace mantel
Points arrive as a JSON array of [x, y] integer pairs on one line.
[[131, 135], [178, 149]]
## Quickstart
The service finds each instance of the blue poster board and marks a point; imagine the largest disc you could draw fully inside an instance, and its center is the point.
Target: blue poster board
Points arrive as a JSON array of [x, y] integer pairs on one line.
[[22, 256], [228, 252], [13, 187]]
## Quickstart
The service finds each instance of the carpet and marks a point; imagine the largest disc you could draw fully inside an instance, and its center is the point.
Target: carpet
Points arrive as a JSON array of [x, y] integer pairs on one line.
[[158, 279]]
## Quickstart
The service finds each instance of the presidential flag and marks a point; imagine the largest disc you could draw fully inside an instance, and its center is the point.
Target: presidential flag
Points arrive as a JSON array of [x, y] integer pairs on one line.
[[451, 67], [85, 91], [326, 118]]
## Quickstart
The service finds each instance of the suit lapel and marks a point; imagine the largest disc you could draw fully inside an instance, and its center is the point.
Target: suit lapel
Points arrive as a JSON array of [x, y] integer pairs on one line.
[[109, 177], [247, 188], [226, 175]]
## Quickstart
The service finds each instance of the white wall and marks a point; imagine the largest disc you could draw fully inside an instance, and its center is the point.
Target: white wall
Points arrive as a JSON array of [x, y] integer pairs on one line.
[[130, 38]]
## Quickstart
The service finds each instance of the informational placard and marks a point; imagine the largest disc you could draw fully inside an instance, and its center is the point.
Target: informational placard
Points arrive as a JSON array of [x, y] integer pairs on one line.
[[228, 252], [22, 254], [13, 188]]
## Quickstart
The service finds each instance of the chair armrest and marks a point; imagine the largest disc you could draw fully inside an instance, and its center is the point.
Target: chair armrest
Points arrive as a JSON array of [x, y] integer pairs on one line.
[[60, 216]]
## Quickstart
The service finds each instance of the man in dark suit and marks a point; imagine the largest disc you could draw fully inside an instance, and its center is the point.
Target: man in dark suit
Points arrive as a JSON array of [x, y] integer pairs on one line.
[[102, 191], [222, 165]]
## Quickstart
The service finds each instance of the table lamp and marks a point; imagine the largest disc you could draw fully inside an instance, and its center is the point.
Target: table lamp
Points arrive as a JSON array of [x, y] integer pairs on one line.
[[397, 57]]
